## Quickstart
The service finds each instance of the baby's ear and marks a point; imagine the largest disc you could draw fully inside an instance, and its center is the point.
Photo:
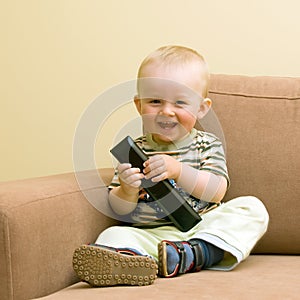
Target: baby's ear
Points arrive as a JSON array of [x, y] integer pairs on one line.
[[137, 102], [204, 108]]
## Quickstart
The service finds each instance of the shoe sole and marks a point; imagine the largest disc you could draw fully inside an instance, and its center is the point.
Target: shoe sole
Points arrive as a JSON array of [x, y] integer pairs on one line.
[[162, 259], [103, 267]]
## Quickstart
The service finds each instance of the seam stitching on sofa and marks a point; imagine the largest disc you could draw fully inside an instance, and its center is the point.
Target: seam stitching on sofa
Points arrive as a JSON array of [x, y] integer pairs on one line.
[[53, 196], [254, 96], [6, 249]]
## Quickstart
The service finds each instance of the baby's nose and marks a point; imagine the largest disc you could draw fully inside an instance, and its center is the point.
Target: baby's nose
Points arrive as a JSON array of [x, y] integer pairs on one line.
[[167, 109]]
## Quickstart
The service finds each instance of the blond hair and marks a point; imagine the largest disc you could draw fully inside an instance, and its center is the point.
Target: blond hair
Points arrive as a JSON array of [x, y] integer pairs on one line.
[[177, 55]]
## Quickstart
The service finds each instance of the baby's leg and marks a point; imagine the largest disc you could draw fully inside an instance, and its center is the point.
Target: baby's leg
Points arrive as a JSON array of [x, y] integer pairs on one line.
[[235, 227], [144, 241]]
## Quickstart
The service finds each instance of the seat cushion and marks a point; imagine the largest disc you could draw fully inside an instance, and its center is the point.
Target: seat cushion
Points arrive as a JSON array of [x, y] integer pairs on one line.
[[259, 277]]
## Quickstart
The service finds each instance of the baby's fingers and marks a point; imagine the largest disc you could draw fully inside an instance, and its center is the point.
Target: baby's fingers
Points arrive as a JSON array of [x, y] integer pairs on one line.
[[122, 167], [133, 180], [160, 177], [130, 176]]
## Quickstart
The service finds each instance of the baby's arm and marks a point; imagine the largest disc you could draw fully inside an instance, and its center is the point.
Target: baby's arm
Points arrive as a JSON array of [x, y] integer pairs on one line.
[[201, 184], [123, 199]]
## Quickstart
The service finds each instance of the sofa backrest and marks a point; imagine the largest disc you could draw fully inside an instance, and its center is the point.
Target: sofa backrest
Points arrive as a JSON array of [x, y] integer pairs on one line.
[[260, 119]]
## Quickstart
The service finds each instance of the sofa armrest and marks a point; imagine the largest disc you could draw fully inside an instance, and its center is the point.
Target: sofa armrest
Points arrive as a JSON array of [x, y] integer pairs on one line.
[[42, 221]]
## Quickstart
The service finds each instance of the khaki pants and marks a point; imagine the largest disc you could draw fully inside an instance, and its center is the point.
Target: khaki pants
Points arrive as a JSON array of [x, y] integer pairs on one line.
[[234, 226]]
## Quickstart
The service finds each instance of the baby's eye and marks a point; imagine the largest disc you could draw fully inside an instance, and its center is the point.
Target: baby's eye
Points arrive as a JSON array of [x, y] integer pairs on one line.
[[155, 101], [180, 102]]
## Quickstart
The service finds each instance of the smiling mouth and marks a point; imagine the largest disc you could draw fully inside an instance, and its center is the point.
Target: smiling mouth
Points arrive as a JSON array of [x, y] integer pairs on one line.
[[167, 125]]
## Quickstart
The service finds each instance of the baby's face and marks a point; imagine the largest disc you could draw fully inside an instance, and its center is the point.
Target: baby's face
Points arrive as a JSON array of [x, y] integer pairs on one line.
[[169, 101]]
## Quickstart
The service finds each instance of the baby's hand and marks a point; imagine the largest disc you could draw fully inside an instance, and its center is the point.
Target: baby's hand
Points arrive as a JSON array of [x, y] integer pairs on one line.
[[160, 167], [129, 177]]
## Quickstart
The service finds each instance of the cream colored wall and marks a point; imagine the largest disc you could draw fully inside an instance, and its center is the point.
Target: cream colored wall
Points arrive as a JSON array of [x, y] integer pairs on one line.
[[57, 56]]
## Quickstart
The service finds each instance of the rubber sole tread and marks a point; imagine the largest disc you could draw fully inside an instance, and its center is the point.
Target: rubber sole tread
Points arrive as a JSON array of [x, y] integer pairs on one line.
[[103, 267]]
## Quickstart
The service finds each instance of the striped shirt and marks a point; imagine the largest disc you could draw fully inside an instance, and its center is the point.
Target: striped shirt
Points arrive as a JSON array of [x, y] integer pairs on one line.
[[201, 150]]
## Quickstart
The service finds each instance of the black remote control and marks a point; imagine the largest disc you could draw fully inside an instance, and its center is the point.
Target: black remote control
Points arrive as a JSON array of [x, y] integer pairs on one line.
[[168, 198]]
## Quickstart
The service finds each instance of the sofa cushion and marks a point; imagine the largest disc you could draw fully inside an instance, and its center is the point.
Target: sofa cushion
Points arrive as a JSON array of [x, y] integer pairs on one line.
[[260, 119], [259, 277]]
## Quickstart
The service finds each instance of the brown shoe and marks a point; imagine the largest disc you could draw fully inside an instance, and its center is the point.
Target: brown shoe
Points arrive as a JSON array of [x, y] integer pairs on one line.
[[102, 266]]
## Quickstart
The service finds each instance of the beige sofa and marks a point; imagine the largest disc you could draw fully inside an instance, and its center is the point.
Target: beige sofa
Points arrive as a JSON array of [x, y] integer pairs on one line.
[[42, 220]]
